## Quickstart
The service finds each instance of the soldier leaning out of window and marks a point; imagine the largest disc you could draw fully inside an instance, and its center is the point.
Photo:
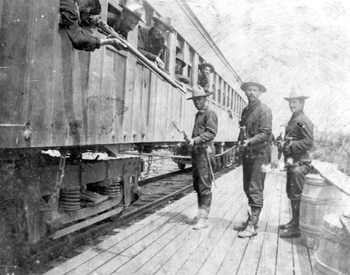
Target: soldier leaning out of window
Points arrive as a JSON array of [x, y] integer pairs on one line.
[[77, 17], [151, 42], [178, 66], [205, 70]]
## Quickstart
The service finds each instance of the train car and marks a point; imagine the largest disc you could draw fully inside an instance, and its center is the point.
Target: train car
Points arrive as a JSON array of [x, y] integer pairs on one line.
[[60, 107]]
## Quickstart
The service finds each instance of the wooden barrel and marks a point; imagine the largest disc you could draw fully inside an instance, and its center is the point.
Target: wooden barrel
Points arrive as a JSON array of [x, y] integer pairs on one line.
[[318, 199], [333, 253]]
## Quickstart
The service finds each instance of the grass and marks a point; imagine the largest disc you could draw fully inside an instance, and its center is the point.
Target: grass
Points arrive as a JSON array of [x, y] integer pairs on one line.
[[333, 148]]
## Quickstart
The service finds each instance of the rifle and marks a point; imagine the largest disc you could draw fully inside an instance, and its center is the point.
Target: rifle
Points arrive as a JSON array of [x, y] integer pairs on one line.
[[182, 132], [240, 145], [103, 28]]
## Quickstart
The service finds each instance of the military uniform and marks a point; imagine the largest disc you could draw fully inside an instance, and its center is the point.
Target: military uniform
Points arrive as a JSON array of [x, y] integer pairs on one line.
[[204, 132], [81, 38], [149, 46], [301, 130], [257, 118], [298, 142]]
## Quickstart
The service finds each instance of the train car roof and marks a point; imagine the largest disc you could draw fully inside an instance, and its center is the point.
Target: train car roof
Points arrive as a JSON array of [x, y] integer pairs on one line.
[[185, 22]]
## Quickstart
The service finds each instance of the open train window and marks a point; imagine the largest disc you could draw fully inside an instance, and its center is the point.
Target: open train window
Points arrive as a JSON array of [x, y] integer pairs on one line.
[[228, 96], [190, 65], [180, 49], [219, 91], [232, 96], [113, 14]]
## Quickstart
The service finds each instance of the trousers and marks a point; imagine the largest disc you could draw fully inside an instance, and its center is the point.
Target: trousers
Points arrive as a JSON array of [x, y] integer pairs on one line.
[[202, 178], [254, 177], [296, 179]]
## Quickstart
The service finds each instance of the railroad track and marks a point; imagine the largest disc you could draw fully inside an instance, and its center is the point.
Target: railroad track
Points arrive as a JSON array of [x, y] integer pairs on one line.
[[158, 191]]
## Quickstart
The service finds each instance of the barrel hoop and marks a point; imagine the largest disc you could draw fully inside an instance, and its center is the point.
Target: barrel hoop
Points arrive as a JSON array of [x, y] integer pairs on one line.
[[335, 237], [315, 182], [313, 200], [314, 229], [324, 268]]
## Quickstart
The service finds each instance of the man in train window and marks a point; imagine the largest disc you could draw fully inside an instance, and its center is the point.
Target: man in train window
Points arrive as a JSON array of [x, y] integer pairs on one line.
[[179, 64], [255, 153], [129, 18], [77, 17], [298, 141], [151, 42], [203, 154], [205, 70]]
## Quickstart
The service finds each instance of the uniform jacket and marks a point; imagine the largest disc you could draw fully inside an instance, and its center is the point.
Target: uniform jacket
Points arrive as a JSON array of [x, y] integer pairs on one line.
[[205, 126], [149, 46], [257, 118], [82, 39], [301, 129]]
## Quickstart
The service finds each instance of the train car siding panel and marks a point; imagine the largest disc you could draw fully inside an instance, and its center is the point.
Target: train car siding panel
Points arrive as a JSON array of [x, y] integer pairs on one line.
[[85, 98]]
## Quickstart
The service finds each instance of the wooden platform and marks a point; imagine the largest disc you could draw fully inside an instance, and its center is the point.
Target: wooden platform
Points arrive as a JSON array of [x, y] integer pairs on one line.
[[164, 242]]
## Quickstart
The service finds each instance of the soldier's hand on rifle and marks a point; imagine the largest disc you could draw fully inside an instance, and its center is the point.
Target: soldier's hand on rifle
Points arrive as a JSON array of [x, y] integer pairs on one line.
[[116, 43], [287, 148], [160, 63], [246, 143], [190, 142]]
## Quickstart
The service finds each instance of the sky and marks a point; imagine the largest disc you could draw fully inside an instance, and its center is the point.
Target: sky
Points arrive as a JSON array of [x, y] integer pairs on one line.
[[287, 44]]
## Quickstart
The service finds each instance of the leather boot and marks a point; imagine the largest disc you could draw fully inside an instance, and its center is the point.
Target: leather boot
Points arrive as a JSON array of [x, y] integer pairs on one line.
[[196, 218], [289, 224], [204, 213], [243, 225], [251, 229], [202, 220], [293, 231]]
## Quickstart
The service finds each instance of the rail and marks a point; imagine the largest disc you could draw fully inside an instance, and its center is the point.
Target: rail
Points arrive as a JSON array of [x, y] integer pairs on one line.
[[172, 156]]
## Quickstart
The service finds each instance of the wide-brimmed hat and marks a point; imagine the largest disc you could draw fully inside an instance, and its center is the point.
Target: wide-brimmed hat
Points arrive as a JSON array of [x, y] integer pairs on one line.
[[296, 94], [183, 63], [165, 21], [198, 91], [134, 8], [253, 82], [201, 66]]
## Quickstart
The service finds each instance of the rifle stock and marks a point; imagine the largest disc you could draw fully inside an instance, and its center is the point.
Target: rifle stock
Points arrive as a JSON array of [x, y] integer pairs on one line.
[[103, 28]]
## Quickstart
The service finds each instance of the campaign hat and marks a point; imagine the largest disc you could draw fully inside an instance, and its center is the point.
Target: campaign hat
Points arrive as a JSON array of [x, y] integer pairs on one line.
[[183, 63], [201, 66], [296, 94], [198, 91], [165, 21], [134, 8], [253, 82]]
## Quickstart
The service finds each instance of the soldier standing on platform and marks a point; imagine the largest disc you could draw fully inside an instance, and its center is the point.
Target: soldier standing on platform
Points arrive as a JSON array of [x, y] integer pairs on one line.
[[203, 154], [298, 141], [257, 118]]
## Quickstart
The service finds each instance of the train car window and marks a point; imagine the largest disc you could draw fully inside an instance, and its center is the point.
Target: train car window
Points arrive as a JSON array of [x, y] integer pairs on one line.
[[214, 88], [228, 96], [190, 65], [219, 91], [232, 98], [236, 102], [224, 93], [112, 15]]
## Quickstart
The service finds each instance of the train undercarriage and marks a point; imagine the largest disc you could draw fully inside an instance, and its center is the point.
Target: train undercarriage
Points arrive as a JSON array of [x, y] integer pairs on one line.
[[48, 194]]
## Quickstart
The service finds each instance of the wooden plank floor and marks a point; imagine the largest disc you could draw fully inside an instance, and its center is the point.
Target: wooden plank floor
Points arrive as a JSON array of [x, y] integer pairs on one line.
[[164, 242]]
